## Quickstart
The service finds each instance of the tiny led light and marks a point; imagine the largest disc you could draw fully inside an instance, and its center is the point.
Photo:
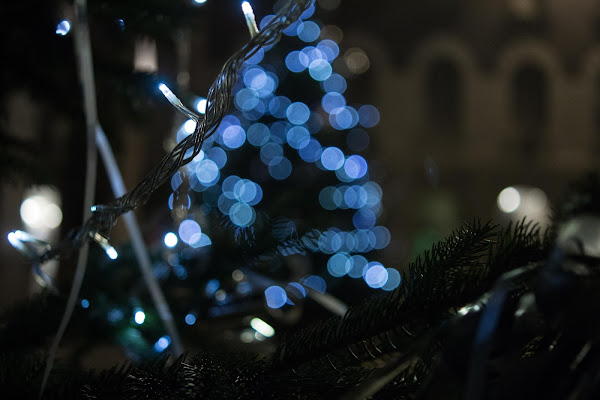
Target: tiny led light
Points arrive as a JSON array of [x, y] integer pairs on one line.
[[262, 327], [250, 18], [139, 317]]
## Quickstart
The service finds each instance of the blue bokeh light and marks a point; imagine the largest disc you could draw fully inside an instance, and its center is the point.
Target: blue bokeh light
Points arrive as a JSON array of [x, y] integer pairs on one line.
[[280, 168], [308, 12], [376, 275], [275, 296], [162, 343], [332, 101], [270, 151], [298, 113], [332, 158], [246, 99], [335, 83], [207, 172], [358, 266], [234, 137], [278, 106], [355, 166], [256, 57], [308, 31], [312, 151], [258, 134], [189, 231], [364, 218], [190, 319], [218, 155], [315, 282], [320, 69], [329, 50], [298, 137], [368, 116], [296, 61], [393, 280], [339, 264], [382, 237], [242, 214], [85, 303]]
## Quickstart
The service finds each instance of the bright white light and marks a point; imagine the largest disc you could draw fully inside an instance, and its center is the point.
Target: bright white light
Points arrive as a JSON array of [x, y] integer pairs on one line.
[[139, 317], [170, 240], [40, 212], [111, 253], [200, 1], [201, 106], [250, 18], [12, 238], [262, 327], [63, 28], [189, 126], [509, 200], [162, 343]]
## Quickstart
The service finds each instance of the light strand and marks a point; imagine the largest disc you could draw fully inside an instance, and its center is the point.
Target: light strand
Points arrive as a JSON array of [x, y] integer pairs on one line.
[[218, 101]]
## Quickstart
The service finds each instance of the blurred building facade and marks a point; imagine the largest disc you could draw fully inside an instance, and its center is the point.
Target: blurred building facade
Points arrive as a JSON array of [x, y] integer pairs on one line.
[[477, 96]]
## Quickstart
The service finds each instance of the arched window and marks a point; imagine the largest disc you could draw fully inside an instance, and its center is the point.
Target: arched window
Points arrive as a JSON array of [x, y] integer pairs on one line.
[[530, 104], [443, 96]]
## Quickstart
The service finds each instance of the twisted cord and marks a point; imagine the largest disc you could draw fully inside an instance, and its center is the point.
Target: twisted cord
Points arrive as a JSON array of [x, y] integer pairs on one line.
[[218, 102]]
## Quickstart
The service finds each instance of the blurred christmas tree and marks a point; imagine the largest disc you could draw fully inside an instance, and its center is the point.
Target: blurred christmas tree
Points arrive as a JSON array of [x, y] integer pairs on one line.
[[278, 206]]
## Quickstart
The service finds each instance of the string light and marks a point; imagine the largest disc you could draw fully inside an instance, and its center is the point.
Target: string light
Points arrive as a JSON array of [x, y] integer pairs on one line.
[[174, 100], [103, 242], [250, 18], [262, 327]]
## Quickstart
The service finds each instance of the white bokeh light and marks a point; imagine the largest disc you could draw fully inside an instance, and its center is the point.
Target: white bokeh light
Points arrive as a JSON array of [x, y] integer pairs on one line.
[[509, 200], [40, 210]]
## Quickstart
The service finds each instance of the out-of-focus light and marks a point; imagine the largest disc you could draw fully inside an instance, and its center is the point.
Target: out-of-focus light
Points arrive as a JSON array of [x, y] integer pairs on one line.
[[509, 200], [242, 214], [280, 168], [393, 280], [315, 283], [211, 287], [200, 1], [376, 275], [308, 31], [139, 317], [335, 83], [190, 319], [357, 60], [320, 70], [332, 158], [258, 134], [358, 266], [162, 343], [189, 231], [368, 116], [189, 126], [298, 113], [41, 212], [201, 106], [339, 265], [170, 240], [63, 28], [237, 275], [297, 289], [85, 303], [221, 295], [207, 171], [312, 151], [275, 297], [332, 32], [262, 327], [332, 101]]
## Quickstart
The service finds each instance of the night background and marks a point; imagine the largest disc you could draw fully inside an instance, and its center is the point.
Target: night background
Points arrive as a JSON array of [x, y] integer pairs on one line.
[[344, 198]]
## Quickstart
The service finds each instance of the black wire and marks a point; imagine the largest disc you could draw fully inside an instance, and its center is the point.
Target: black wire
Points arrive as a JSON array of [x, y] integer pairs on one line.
[[218, 101]]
